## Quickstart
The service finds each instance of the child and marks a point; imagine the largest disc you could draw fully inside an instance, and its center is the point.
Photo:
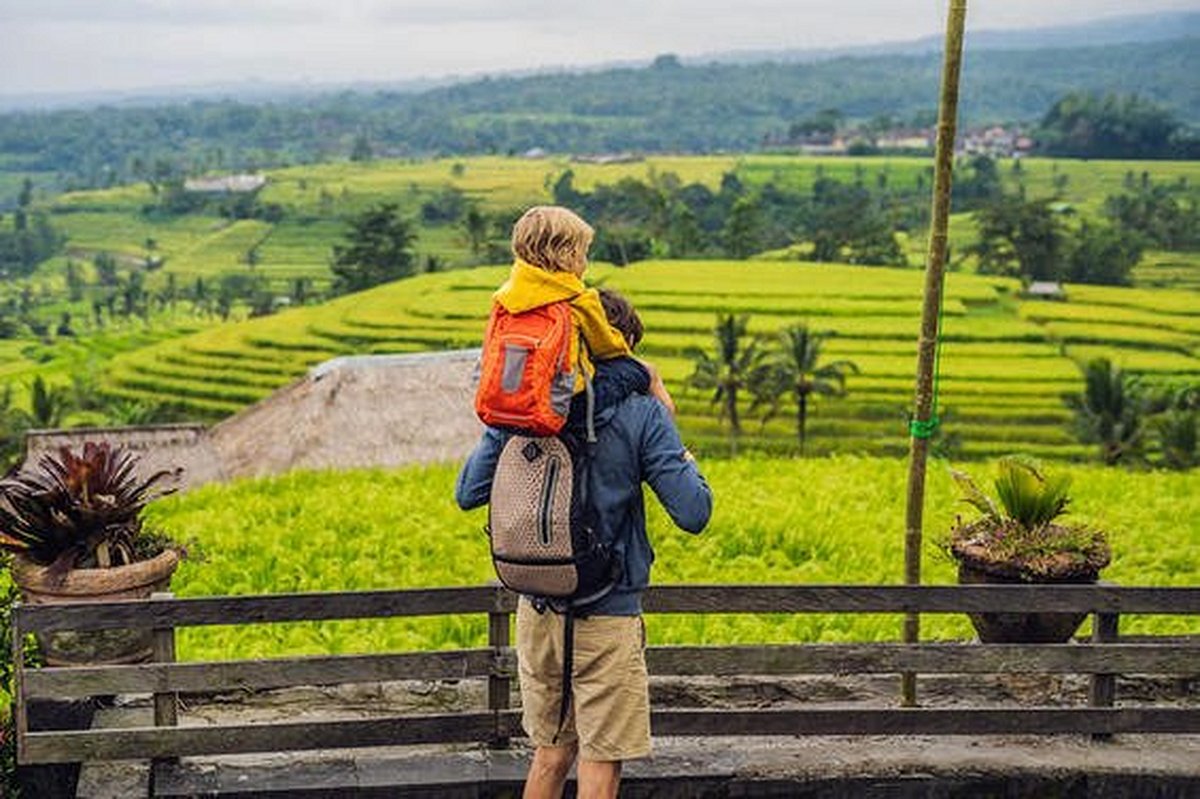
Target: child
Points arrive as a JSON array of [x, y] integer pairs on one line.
[[568, 322], [550, 245]]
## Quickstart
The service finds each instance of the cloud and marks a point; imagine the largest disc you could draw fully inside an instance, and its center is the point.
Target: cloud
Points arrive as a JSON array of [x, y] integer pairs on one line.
[[162, 12]]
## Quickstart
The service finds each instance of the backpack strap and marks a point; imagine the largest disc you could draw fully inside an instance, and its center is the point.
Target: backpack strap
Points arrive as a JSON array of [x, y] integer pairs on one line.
[[564, 704], [590, 421]]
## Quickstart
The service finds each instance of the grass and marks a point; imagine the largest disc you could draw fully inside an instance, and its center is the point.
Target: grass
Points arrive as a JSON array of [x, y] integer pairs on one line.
[[823, 520]]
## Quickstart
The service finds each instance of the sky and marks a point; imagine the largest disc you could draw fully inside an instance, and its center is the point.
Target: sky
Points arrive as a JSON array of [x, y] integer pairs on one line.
[[88, 45]]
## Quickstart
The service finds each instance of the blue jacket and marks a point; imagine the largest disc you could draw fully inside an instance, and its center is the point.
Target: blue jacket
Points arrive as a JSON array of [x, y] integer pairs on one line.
[[636, 441]]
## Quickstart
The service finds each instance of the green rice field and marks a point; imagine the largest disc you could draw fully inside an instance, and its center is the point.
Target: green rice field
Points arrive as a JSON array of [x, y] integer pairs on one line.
[[316, 199], [812, 521], [1005, 361]]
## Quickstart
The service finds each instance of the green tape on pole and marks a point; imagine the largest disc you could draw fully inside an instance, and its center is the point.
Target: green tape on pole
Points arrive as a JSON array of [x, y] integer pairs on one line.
[[918, 428]]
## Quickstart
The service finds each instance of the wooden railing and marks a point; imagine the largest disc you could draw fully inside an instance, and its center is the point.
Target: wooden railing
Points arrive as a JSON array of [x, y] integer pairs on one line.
[[1103, 658]]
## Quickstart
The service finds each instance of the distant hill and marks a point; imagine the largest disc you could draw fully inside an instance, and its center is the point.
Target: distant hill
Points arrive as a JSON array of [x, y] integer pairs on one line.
[[1129, 29], [669, 107]]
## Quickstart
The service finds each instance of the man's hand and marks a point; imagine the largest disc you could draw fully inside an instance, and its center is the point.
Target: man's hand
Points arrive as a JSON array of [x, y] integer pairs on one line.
[[658, 389]]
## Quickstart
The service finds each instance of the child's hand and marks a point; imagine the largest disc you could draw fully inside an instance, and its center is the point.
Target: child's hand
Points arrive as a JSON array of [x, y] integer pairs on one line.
[[658, 389]]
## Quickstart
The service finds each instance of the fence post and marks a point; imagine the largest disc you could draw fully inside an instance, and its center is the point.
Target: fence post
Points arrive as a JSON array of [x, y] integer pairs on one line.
[[499, 683], [20, 720], [1104, 686], [165, 711]]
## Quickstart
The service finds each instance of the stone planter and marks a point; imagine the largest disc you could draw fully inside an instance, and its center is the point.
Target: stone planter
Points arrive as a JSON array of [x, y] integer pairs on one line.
[[95, 647], [1020, 628]]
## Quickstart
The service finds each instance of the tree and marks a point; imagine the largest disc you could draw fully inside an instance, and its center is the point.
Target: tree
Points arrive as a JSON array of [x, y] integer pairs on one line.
[[1018, 237], [106, 269], [743, 229], [361, 151], [75, 282], [48, 404], [1086, 125], [847, 217], [796, 370], [728, 370], [1108, 412], [378, 248], [1103, 255], [476, 226]]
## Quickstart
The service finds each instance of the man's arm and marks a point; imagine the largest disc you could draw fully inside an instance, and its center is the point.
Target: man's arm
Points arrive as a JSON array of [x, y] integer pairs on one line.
[[672, 473], [474, 485]]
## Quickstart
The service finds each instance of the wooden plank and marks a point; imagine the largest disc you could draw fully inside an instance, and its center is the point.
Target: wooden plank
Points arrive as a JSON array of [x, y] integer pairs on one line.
[[206, 677], [20, 693], [877, 658], [1105, 628], [661, 599], [198, 611], [149, 742], [929, 658], [499, 683], [922, 721], [164, 652], [925, 599]]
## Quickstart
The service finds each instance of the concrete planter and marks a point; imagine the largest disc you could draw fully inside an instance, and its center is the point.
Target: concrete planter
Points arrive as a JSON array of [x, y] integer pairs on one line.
[[95, 647]]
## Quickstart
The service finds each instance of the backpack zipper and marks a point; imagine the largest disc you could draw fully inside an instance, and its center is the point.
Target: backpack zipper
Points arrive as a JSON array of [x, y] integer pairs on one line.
[[544, 519]]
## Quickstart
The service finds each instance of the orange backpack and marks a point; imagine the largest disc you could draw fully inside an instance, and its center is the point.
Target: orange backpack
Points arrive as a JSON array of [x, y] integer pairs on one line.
[[527, 375]]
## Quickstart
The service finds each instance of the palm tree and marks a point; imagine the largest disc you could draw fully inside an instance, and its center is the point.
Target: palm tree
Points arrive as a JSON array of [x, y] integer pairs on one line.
[[728, 370], [797, 370], [48, 404], [1109, 411]]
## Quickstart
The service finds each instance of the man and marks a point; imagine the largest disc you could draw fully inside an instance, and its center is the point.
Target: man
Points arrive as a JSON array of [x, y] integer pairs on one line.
[[608, 718]]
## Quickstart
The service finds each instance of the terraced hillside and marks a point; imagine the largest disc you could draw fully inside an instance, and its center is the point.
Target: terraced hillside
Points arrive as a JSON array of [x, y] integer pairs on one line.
[[315, 200], [1005, 364]]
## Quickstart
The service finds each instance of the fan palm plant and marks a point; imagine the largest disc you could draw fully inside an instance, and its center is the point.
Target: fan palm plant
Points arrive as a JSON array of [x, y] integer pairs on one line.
[[1017, 533], [1109, 412], [729, 369], [796, 370]]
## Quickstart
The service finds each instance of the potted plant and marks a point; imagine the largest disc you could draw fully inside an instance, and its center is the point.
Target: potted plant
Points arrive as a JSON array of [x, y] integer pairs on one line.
[[73, 526], [1018, 539]]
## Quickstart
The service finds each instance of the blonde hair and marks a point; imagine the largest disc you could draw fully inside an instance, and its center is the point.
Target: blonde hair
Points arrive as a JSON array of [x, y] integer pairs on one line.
[[553, 238]]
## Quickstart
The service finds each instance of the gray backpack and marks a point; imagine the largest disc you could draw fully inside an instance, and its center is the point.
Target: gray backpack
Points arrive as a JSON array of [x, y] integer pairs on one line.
[[542, 530]]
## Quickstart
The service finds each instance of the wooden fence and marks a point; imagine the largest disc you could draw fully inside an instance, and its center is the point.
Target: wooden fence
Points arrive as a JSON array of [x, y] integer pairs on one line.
[[1102, 658]]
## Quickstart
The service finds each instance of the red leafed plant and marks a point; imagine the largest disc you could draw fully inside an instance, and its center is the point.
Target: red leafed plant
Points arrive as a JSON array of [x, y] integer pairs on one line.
[[81, 510]]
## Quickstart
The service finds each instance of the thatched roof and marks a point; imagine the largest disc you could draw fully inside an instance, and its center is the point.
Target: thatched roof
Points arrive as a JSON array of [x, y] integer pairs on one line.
[[379, 410]]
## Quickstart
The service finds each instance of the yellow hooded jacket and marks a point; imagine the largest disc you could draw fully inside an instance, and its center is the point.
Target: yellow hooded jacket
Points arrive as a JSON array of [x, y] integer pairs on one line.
[[529, 287]]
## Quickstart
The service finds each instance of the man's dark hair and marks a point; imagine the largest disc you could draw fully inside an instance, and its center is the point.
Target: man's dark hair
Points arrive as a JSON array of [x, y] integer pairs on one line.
[[621, 315]]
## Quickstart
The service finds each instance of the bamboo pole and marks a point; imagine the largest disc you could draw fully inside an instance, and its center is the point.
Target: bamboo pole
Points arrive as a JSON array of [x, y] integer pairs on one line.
[[935, 271]]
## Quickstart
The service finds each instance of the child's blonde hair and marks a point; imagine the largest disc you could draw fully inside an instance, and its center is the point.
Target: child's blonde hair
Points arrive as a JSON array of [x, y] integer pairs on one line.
[[553, 238]]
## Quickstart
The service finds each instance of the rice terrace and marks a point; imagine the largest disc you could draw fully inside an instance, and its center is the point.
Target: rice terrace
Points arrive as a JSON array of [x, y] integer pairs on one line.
[[933, 431]]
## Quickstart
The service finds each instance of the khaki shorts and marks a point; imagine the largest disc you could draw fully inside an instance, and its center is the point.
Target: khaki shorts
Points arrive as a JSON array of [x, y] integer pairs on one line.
[[610, 697]]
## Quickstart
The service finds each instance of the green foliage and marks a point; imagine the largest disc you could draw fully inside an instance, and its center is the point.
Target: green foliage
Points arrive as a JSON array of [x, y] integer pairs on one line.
[[1035, 240], [1017, 534], [1163, 216], [79, 509], [795, 369], [377, 249], [1088, 125], [810, 521], [729, 369], [1027, 495], [1019, 237], [1108, 412]]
